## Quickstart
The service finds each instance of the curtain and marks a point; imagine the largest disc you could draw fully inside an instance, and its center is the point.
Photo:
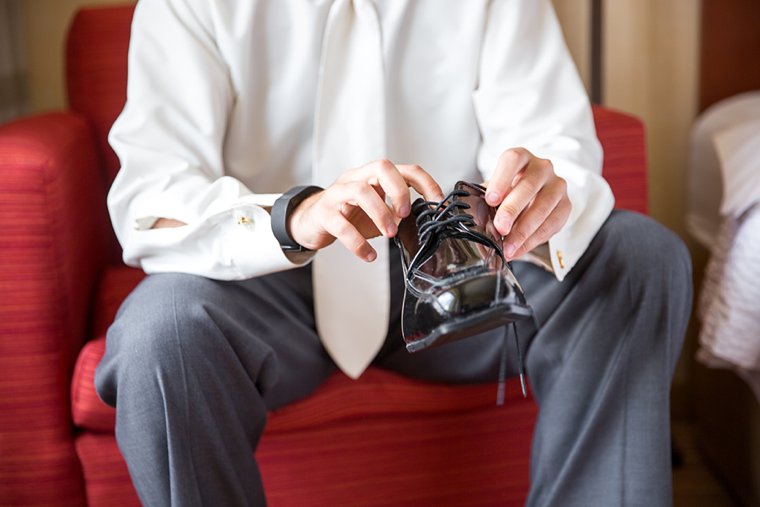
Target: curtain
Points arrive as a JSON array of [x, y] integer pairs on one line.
[[12, 72]]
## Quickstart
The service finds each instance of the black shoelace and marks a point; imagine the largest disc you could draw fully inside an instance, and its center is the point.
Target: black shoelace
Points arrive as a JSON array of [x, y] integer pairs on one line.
[[503, 366], [440, 216]]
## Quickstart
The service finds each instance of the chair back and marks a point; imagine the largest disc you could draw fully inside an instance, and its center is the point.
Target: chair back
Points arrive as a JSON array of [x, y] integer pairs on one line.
[[96, 72]]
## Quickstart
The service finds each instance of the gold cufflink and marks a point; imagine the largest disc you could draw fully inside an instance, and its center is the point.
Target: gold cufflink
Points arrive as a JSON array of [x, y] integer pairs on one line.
[[244, 220], [560, 259]]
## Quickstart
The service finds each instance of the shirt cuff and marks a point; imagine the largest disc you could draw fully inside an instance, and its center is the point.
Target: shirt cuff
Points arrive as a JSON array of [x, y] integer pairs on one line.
[[592, 202], [233, 244]]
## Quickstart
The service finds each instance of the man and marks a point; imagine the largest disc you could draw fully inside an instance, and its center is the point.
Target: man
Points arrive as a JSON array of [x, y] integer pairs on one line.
[[233, 102]]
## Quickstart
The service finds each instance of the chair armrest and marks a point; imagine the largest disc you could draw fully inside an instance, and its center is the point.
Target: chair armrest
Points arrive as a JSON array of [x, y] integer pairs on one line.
[[52, 248]]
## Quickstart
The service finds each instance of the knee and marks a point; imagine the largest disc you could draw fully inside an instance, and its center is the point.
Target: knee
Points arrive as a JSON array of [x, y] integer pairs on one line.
[[162, 327], [154, 321], [640, 250]]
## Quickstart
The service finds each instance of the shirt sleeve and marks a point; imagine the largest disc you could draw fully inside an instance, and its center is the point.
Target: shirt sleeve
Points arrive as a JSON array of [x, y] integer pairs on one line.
[[529, 94], [169, 140]]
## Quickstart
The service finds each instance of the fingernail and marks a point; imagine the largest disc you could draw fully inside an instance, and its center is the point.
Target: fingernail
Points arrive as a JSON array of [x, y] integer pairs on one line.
[[391, 229], [404, 210], [509, 250], [504, 223], [371, 256], [492, 198]]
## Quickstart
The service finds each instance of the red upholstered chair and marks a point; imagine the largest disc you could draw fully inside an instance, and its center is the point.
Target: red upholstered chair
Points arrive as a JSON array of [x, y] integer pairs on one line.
[[381, 440]]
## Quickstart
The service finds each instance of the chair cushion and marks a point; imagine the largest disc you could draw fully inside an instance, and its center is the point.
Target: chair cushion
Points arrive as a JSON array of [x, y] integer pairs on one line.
[[376, 393], [473, 458]]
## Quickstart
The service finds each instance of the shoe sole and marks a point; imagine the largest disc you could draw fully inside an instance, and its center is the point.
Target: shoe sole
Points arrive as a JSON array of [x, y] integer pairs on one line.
[[472, 324]]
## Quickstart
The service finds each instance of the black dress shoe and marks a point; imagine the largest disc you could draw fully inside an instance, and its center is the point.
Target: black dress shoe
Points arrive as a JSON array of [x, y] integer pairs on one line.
[[457, 281]]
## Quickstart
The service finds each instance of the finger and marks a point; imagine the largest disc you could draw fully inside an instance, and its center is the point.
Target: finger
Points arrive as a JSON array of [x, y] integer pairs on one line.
[[509, 164], [533, 218], [365, 196], [554, 222], [531, 182], [344, 231], [421, 181], [394, 185]]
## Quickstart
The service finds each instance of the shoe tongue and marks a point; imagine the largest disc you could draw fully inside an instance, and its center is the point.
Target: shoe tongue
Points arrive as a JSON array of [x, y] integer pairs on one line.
[[477, 209], [471, 188], [474, 198]]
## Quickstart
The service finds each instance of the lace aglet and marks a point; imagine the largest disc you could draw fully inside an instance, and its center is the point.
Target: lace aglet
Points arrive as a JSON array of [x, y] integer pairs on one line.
[[520, 362], [500, 393]]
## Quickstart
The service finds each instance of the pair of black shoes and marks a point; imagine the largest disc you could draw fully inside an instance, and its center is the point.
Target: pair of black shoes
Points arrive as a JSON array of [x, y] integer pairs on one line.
[[457, 281]]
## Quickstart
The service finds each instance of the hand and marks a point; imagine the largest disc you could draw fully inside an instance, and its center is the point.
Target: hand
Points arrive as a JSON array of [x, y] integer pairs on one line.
[[532, 201], [353, 209]]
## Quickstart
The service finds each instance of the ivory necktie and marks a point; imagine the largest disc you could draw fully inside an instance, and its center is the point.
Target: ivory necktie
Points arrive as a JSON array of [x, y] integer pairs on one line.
[[351, 296]]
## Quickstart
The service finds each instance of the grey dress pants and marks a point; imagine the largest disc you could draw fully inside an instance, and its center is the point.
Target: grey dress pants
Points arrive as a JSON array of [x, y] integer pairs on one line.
[[192, 365]]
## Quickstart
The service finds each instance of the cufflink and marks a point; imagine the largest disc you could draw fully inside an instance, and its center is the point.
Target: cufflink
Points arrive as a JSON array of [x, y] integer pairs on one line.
[[560, 259]]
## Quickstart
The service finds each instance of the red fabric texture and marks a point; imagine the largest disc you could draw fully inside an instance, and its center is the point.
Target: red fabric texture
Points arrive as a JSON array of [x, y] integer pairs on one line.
[[625, 157], [96, 72], [395, 460], [115, 285], [383, 439], [105, 472], [50, 257], [96, 76], [469, 457]]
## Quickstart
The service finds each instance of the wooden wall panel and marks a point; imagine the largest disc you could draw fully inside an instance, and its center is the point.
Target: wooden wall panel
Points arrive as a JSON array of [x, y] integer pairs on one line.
[[730, 61]]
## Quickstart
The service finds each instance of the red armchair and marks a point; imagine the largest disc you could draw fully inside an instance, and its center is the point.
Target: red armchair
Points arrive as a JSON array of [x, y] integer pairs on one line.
[[381, 440]]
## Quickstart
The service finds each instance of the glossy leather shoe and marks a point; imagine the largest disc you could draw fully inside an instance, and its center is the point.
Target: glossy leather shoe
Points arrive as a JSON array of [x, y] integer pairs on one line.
[[457, 280]]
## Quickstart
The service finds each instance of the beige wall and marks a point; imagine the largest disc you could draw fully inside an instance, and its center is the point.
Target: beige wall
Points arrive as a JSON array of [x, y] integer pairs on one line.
[[46, 23], [651, 69], [651, 51], [576, 23]]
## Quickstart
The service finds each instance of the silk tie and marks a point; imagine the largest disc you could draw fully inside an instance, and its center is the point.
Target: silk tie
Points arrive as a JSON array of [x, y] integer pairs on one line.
[[352, 297]]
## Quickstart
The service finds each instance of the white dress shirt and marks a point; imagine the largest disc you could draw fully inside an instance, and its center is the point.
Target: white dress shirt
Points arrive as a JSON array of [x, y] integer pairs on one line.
[[221, 98]]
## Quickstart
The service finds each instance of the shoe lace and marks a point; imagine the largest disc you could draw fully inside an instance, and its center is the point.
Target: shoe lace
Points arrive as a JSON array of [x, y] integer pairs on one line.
[[447, 217]]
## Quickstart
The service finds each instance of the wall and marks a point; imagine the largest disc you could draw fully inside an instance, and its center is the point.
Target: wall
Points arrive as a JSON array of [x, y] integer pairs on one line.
[[576, 23], [46, 23], [651, 51], [651, 69]]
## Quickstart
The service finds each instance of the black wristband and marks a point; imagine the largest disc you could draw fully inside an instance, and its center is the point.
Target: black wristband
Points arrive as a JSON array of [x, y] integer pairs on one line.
[[280, 213]]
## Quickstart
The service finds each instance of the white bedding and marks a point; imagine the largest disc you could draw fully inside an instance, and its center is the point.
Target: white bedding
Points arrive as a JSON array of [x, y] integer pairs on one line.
[[724, 215]]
